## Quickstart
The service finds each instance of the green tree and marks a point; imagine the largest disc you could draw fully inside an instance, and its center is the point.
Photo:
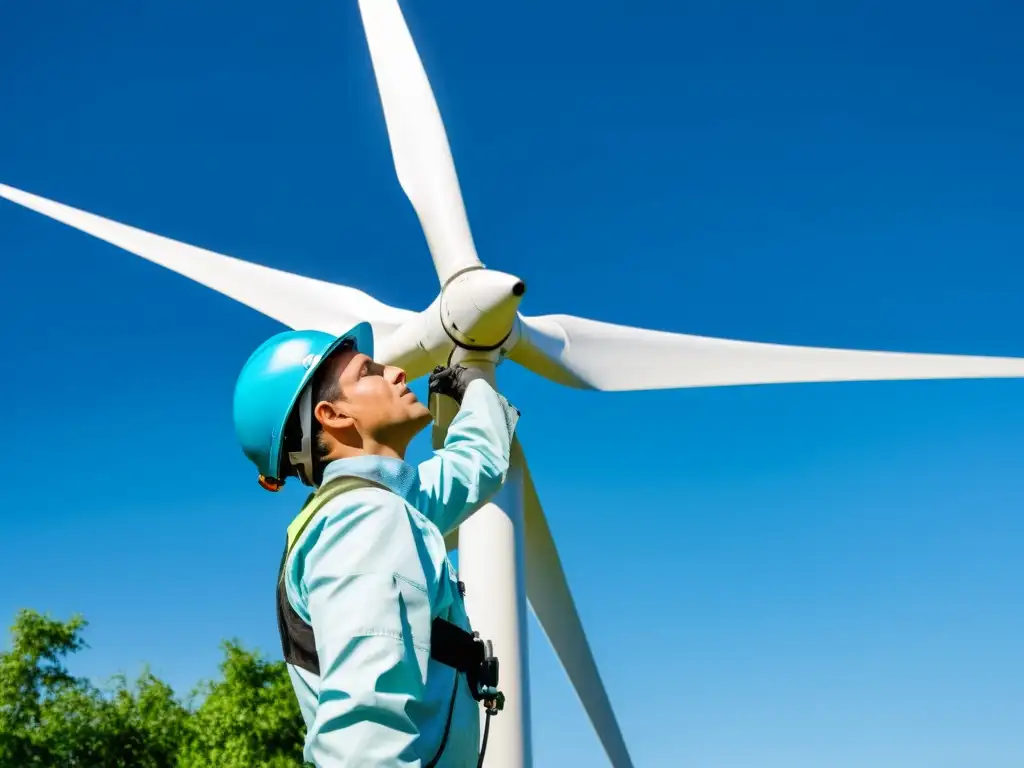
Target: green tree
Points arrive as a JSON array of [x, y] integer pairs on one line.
[[32, 675], [50, 718], [248, 719]]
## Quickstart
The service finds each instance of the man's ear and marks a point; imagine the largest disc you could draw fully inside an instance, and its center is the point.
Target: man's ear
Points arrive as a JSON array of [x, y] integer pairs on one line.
[[332, 415]]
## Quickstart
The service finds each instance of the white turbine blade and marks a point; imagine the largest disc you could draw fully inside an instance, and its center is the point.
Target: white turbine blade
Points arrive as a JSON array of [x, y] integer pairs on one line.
[[419, 144], [552, 603], [593, 355], [298, 302]]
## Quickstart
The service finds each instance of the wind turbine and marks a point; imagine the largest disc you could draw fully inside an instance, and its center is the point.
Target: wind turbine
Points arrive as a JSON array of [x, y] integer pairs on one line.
[[507, 553]]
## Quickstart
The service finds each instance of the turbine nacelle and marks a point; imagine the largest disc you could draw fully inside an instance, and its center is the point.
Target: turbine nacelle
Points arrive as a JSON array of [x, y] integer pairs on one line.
[[476, 312], [478, 308]]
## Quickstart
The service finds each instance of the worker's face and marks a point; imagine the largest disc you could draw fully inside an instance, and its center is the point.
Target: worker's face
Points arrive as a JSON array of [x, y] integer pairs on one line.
[[375, 404]]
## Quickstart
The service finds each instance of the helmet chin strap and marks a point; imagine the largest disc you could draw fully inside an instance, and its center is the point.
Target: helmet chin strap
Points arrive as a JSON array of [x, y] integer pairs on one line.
[[302, 459]]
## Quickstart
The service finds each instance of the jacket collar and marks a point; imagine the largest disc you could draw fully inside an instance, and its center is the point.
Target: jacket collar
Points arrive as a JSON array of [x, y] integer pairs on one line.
[[395, 474]]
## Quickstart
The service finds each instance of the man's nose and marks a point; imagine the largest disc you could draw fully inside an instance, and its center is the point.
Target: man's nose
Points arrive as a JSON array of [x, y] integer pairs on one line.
[[395, 375]]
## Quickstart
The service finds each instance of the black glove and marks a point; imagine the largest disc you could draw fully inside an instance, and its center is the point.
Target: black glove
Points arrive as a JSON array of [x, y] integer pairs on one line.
[[452, 381]]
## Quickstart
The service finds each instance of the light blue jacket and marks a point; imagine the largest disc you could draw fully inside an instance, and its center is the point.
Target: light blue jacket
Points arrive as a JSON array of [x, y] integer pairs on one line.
[[370, 573]]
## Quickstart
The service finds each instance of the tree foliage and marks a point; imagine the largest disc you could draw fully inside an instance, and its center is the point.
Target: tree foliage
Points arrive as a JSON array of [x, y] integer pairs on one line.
[[248, 717]]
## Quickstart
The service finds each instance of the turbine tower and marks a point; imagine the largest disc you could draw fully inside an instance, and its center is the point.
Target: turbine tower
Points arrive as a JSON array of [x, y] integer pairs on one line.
[[506, 550]]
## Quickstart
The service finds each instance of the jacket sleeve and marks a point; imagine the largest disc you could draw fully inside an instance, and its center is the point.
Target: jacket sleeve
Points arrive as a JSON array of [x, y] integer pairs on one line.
[[471, 466], [365, 586]]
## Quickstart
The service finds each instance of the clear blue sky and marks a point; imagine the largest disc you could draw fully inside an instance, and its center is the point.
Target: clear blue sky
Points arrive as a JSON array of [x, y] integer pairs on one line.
[[785, 576]]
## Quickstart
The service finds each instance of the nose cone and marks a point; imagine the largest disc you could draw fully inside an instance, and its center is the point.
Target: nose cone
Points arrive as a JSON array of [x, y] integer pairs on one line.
[[493, 291], [479, 307]]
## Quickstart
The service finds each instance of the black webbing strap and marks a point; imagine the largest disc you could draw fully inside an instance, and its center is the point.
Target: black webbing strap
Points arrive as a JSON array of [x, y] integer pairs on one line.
[[455, 647]]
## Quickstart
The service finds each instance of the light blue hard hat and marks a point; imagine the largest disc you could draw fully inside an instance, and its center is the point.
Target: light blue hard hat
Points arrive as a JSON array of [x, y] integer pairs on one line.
[[269, 388]]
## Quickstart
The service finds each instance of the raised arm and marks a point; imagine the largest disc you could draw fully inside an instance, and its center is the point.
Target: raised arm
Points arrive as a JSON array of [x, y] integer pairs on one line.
[[471, 466], [366, 590]]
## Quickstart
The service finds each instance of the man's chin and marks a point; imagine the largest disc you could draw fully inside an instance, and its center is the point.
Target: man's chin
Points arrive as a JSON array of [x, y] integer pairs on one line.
[[422, 415], [417, 417]]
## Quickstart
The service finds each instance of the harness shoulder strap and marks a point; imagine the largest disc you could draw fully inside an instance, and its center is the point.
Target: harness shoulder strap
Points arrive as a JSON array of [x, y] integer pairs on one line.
[[297, 642], [315, 502]]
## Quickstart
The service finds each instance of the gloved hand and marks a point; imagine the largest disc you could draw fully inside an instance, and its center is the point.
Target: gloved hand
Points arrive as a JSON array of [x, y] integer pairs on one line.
[[452, 381]]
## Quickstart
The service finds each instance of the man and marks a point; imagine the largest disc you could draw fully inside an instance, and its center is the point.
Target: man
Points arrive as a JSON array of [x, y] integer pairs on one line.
[[368, 602]]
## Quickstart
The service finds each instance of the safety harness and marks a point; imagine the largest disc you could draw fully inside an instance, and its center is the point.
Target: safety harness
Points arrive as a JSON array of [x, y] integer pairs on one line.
[[450, 645]]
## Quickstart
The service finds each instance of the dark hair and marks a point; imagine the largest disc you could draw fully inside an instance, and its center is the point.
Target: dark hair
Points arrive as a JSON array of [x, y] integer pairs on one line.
[[326, 387]]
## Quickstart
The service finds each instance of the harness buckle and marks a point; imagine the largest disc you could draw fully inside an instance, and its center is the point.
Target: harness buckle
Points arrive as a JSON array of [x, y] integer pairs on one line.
[[483, 681], [494, 705]]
